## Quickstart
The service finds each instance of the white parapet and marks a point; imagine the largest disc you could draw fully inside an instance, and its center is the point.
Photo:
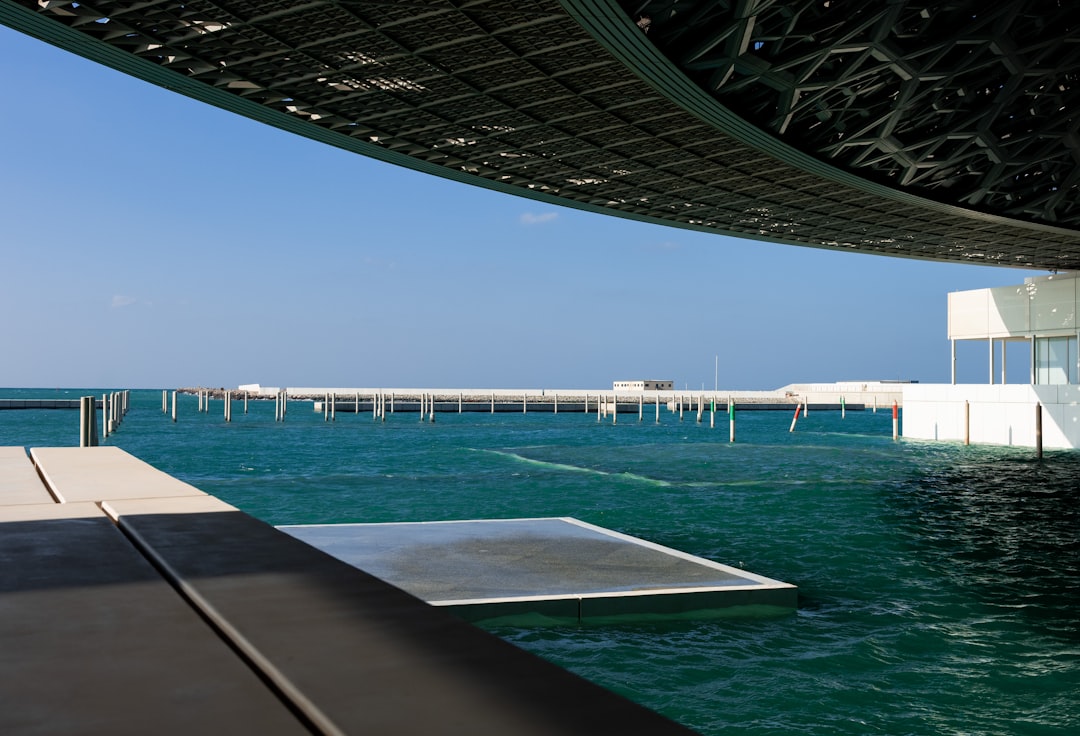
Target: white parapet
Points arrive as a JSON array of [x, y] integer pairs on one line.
[[996, 414]]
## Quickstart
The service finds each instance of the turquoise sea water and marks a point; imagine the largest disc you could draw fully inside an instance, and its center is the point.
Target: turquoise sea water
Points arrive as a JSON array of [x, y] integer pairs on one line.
[[939, 584]]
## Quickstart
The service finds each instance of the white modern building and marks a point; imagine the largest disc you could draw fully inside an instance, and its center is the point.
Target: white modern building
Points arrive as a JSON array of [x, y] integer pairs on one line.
[[1040, 318], [643, 385]]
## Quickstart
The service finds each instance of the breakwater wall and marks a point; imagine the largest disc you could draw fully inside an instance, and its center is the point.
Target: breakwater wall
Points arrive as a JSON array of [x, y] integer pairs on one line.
[[835, 396]]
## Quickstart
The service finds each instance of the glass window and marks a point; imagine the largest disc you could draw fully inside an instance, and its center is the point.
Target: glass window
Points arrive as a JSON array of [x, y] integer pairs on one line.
[[1055, 360]]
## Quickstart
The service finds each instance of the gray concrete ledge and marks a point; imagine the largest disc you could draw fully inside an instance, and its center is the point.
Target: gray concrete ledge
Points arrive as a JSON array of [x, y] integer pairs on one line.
[[355, 654], [151, 607], [93, 640]]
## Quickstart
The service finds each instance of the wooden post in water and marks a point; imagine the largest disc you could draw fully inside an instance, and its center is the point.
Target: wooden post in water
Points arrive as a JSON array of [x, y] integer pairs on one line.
[[84, 432], [1038, 431]]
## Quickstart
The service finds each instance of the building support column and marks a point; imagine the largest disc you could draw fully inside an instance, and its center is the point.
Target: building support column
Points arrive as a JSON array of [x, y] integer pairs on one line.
[[953, 347], [1034, 344], [990, 341]]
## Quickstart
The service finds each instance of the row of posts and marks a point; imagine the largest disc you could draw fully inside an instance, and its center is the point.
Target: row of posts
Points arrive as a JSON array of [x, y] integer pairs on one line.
[[114, 406], [605, 406]]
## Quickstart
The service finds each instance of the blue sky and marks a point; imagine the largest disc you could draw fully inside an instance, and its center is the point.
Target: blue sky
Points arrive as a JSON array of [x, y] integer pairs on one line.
[[148, 240]]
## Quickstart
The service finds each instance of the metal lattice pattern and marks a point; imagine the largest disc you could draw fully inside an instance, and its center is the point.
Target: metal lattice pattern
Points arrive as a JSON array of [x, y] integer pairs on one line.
[[518, 95], [971, 103]]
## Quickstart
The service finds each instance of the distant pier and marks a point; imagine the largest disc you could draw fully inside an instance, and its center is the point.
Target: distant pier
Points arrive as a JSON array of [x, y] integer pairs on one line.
[[853, 396]]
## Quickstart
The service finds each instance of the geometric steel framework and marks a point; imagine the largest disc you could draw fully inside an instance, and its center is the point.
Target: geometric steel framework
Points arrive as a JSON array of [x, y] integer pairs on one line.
[[972, 104], [937, 131]]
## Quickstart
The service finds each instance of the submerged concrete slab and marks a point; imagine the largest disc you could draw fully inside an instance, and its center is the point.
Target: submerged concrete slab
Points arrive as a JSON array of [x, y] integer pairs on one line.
[[93, 640], [19, 482], [353, 653], [103, 473], [555, 567]]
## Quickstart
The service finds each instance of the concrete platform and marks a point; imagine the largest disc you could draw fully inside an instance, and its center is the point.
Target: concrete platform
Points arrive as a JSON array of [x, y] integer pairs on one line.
[[179, 614], [95, 641], [72, 474], [559, 568], [19, 482]]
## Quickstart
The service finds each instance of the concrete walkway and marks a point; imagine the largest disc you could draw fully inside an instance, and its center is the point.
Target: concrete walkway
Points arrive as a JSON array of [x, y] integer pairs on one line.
[[172, 612]]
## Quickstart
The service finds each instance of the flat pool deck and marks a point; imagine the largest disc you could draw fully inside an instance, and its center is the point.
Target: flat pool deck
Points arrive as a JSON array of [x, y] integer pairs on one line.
[[133, 603], [560, 568]]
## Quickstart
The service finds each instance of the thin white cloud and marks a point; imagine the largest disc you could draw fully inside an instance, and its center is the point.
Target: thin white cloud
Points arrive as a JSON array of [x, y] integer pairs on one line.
[[120, 300], [530, 218]]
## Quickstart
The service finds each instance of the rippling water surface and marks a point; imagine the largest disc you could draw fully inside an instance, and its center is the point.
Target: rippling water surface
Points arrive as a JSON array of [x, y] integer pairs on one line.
[[939, 584]]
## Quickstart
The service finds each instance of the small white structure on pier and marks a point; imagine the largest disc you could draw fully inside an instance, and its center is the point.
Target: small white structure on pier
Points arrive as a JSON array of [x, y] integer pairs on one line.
[[1042, 313], [642, 385]]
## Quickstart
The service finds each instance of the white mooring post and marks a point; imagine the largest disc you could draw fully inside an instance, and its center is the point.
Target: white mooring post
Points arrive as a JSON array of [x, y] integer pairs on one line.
[[524, 402], [105, 416], [431, 416], [640, 407], [658, 408], [556, 403], [164, 401], [174, 406], [460, 400], [895, 421], [712, 413], [492, 402], [731, 419], [614, 408]]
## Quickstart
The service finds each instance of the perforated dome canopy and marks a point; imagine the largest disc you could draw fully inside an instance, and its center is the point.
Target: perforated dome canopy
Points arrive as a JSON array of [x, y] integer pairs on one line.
[[942, 131]]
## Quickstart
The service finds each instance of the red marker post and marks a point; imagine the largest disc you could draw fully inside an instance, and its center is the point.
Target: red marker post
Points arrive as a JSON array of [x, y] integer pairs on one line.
[[895, 421], [795, 418]]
